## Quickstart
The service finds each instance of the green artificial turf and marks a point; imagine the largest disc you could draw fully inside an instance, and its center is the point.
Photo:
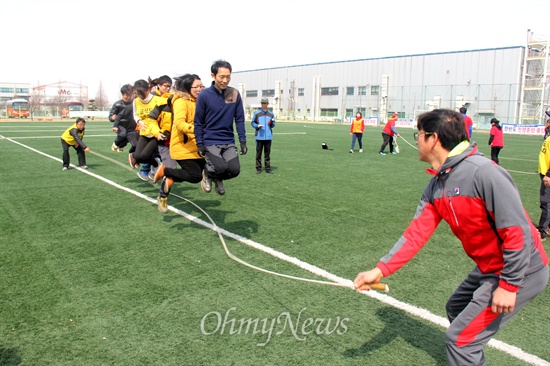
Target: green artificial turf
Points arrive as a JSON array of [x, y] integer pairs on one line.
[[91, 273]]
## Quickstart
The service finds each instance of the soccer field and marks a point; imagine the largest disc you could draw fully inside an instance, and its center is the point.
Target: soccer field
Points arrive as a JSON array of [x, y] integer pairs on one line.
[[92, 273]]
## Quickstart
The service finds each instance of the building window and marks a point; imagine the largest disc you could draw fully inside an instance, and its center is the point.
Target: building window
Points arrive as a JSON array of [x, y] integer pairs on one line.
[[251, 93], [329, 112], [21, 90], [350, 90], [268, 93], [330, 91], [300, 92], [375, 90], [6, 90], [362, 90]]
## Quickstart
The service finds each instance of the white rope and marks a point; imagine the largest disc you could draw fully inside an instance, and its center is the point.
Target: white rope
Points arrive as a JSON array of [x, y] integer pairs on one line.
[[408, 143], [238, 260]]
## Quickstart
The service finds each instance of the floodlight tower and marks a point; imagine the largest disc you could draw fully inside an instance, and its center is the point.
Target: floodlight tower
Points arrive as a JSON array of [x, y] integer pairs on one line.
[[535, 88]]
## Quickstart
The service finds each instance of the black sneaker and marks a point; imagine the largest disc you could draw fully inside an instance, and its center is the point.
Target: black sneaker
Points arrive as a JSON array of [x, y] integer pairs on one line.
[[258, 171], [220, 189]]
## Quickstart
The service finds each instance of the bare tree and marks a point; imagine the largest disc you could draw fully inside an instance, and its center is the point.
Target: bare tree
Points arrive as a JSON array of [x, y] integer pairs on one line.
[[35, 102], [55, 104], [101, 100]]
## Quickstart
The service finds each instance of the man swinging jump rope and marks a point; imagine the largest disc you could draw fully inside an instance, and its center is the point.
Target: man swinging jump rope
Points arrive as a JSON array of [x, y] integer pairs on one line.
[[481, 203]]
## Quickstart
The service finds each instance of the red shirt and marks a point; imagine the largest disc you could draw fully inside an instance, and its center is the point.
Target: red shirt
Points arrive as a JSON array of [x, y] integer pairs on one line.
[[388, 128], [498, 136], [468, 123]]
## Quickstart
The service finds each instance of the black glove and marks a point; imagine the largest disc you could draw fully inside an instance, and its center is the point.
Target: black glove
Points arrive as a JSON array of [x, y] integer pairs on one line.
[[244, 149], [202, 150]]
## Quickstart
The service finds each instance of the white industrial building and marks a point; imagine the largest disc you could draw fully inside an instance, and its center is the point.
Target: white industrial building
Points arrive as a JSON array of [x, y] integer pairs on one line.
[[9, 90], [510, 83]]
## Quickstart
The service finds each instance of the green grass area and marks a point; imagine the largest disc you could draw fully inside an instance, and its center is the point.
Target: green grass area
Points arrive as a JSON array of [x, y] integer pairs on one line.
[[92, 274]]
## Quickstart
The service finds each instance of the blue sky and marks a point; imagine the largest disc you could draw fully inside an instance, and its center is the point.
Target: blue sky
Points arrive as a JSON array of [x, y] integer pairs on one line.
[[121, 41]]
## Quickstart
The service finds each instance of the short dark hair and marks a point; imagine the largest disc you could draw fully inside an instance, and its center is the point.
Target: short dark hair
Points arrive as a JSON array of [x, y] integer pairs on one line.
[[80, 119], [448, 124], [126, 89], [359, 113], [463, 110], [220, 63], [185, 82], [161, 80]]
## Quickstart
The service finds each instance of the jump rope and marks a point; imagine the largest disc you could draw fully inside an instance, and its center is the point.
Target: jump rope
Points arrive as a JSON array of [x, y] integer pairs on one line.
[[375, 286]]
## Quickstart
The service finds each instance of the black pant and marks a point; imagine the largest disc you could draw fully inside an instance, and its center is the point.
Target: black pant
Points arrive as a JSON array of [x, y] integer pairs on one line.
[[387, 140], [145, 150], [544, 220], [264, 145], [495, 150], [191, 171], [123, 136], [79, 152]]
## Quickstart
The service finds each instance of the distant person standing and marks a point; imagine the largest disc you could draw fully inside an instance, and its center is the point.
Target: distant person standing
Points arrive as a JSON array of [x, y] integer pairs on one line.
[[72, 137], [356, 131], [217, 109], [496, 139], [467, 121], [544, 172], [263, 121], [388, 134]]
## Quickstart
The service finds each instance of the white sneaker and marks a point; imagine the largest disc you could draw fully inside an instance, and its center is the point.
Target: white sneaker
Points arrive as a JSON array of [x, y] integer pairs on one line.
[[162, 204], [351, 151], [360, 150], [206, 183]]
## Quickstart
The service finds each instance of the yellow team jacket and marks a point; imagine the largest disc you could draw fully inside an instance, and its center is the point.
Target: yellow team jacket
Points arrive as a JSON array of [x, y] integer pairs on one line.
[[164, 118], [182, 140], [142, 110], [544, 157], [68, 138]]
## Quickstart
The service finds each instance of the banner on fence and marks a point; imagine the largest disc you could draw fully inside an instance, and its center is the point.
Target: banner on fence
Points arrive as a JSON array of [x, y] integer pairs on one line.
[[515, 129]]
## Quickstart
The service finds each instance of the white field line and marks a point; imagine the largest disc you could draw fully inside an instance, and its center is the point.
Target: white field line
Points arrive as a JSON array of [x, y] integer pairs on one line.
[[113, 135], [58, 137], [411, 309]]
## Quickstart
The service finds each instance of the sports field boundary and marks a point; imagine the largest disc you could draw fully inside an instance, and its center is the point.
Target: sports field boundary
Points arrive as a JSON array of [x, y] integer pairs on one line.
[[386, 299]]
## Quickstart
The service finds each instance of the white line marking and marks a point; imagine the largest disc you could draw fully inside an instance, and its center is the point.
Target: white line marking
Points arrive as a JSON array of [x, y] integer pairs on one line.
[[411, 309]]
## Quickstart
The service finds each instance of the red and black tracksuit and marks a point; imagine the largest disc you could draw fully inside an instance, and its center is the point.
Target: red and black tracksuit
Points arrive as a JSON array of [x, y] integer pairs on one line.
[[481, 204]]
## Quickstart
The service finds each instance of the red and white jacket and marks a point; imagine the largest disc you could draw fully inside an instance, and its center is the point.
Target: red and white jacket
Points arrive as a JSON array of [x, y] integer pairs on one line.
[[481, 203]]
